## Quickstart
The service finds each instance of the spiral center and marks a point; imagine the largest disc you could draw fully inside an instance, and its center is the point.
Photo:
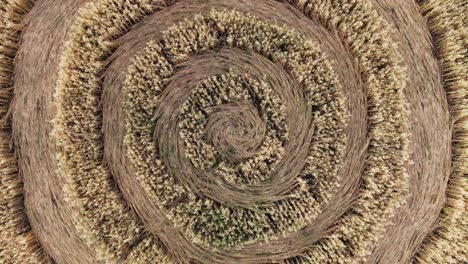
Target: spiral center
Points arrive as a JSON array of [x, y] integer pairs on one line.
[[236, 130]]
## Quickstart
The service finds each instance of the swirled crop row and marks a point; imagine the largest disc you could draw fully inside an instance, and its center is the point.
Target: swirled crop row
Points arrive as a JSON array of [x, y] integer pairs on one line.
[[218, 131]]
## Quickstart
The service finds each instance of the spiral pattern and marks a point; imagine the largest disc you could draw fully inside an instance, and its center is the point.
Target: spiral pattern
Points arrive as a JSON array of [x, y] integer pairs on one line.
[[216, 131]]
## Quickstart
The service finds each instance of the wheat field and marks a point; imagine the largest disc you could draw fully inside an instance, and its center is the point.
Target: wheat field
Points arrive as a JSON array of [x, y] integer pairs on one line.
[[233, 131]]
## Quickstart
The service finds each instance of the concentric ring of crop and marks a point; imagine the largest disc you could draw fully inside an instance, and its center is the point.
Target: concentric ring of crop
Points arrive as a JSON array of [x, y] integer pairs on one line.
[[215, 131]]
